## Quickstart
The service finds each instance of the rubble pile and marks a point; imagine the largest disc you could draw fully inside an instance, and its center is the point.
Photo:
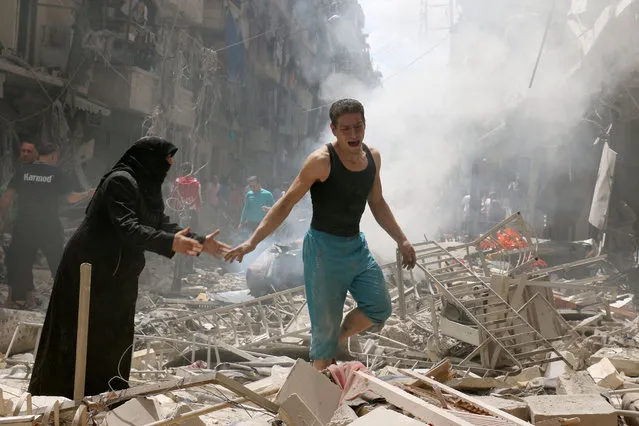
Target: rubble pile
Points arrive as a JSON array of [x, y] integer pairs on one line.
[[483, 333]]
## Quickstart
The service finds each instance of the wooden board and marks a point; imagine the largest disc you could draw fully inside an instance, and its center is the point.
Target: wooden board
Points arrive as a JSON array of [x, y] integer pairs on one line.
[[412, 404]]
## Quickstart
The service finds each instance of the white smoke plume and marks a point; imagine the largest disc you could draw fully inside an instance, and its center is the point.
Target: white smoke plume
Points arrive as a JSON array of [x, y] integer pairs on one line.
[[429, 117]]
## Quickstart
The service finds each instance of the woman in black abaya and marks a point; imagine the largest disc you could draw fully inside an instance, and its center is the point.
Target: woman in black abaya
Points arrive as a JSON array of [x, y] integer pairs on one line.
[[125, 218]]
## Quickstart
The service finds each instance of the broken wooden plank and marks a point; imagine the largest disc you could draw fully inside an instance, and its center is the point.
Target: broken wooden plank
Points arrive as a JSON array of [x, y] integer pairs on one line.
[[242, 390], [412, 404], [82, 332], [183, 417], [109, 398], [489, 408]]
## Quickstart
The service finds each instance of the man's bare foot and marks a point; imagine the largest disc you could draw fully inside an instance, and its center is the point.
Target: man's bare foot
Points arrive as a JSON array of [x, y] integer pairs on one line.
[[322, 364]]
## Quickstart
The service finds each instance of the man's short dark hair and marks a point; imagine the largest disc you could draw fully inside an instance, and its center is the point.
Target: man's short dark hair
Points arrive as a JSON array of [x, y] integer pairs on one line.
[[47, 149], [345, 106], [253, 179]]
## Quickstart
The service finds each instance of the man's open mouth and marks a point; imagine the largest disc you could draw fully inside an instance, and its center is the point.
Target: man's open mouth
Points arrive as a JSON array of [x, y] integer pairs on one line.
[[353, 143]]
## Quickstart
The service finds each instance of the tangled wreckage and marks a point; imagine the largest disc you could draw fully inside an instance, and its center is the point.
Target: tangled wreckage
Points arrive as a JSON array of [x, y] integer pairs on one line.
[[474, 325]]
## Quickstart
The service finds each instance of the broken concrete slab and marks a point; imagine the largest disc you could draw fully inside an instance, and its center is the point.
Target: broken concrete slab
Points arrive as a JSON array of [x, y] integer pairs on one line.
[[295, 412], [592, 410], [315, 389], [605, 374], [384, 417], [344, 416], [26, 336], [139, 411], [624, 360], [577, 383], [518, 409]]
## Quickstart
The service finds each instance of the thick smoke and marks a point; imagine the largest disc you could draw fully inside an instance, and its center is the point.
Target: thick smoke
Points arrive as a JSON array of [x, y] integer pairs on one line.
[[430, 116]]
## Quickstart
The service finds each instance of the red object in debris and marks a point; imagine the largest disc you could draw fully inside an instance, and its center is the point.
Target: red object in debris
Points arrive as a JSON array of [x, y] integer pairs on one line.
[[539, 264], [508, 239], [344, 376], [188, 190]]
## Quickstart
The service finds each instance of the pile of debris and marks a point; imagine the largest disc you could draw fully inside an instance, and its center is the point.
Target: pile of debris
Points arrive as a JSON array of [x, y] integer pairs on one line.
[[482, 333]]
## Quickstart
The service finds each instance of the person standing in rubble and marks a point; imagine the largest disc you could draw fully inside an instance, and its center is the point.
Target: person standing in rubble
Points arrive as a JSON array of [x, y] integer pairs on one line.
[[28, 155], [188, 191], [38, 187], [257, 202], [124, 218], [342, 177]]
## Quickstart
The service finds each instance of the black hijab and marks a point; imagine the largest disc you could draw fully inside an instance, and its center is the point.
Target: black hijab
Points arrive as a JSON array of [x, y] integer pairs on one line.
[[146, 161]]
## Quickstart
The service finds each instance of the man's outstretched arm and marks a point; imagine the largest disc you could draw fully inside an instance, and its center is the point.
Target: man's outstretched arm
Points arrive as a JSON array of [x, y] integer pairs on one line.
[[384, 216], [315, 168]]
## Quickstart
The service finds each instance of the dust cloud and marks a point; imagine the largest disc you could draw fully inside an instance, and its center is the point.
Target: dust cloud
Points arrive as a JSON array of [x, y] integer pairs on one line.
[[442, 92]]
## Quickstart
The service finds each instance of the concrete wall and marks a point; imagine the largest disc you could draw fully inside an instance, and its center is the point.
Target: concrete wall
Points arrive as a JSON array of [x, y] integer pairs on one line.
[[9, 23], [53, 25]]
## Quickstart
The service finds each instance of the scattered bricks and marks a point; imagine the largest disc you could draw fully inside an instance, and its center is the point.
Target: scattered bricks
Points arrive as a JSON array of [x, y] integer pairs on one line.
[[624, 360], [592, 410], [605, 374], [516, 408]]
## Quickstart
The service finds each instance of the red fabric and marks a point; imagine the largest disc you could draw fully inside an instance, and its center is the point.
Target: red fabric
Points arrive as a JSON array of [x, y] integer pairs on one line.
[[188, 189], [344, 375]]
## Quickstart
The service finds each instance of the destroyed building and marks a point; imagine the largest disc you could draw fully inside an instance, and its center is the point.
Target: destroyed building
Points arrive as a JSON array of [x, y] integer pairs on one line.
[[228, 81], [507, 328]]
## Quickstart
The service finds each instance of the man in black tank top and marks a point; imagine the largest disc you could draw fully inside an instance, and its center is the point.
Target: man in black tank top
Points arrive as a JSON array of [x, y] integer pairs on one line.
[[342, 176]]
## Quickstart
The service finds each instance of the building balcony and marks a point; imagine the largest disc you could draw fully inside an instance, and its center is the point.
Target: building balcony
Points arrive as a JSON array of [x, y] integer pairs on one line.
[[214, 14], [191, 10], [127, 88]]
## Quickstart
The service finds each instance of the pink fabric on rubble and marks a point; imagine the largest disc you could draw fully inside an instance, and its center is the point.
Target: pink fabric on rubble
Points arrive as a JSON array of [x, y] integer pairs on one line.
[[344, 375]]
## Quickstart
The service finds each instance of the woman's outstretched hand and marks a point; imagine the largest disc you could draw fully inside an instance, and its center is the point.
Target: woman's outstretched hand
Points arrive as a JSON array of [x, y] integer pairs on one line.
[[214, 247], [186, 245]]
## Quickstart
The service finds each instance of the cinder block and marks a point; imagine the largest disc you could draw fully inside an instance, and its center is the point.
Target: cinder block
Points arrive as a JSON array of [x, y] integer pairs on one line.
[[592, 410], [624, 360]]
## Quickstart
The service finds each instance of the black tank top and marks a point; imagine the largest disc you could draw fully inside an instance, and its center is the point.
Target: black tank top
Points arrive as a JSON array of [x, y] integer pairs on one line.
[[339, 201]]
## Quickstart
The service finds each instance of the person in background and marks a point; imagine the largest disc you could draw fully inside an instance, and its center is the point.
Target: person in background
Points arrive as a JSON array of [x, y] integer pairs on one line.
[[258, 201], [28, 155], [124, 218], [280, 193], [188, 191], [236, 200], [38, 187]]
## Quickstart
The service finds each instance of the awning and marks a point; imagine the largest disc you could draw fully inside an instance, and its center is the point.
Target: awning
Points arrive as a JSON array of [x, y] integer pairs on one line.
[[75, 101]]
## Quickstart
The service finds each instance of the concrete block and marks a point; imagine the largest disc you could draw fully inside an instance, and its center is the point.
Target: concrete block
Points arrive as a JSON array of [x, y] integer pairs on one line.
[[605, 374], [139, 411], [319, 394], [624, 360], [592, 410], [295, 412], [384, 417], [516, 408], [344, 416], [577, 383]]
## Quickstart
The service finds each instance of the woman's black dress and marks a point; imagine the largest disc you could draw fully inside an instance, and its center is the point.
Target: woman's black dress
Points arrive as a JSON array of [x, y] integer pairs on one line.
[[125, 217]]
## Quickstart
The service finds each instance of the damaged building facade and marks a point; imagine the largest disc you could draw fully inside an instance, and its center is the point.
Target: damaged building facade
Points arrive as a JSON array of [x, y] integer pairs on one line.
[[236, 84]]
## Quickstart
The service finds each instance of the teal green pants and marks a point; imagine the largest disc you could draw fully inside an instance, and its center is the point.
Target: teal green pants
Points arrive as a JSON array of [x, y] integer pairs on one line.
[[334, 265]]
